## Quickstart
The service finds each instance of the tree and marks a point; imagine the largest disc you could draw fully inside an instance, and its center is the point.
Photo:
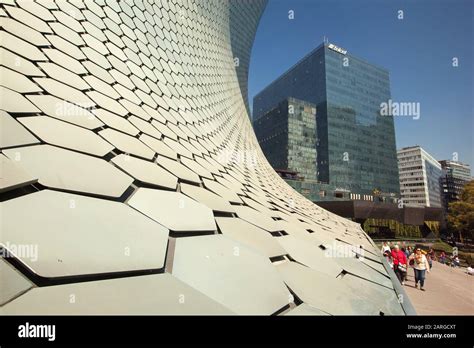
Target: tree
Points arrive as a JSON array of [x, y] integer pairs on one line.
[[461, 213]]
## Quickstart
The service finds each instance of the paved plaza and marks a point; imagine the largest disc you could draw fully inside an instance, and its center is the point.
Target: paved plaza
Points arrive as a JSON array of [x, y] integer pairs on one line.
[[449, 291]]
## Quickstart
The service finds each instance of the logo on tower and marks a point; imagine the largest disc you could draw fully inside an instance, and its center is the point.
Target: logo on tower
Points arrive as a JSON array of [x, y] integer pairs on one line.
[[337, 49]]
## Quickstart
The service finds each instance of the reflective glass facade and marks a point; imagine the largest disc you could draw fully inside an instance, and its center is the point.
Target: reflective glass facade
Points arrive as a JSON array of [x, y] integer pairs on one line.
[[356, 149], [272, 133], [455, 175], [287, 136], [433, 176], [302, 138]]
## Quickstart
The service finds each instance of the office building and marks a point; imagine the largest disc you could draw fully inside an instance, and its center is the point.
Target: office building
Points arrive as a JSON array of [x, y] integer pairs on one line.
[[355, 144], [454, 176], [287, 136], [420, 175]]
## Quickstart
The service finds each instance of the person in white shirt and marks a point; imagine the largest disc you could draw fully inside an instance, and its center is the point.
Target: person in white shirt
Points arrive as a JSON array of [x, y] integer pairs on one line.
[[385, 248], [455, 263], [470, 270], [420, 266]]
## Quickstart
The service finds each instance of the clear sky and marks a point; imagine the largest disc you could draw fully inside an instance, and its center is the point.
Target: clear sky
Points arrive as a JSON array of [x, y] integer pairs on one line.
[[417, 50]]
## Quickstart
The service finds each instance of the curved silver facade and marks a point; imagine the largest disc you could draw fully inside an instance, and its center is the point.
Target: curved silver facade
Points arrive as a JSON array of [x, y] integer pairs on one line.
[[132, 181]]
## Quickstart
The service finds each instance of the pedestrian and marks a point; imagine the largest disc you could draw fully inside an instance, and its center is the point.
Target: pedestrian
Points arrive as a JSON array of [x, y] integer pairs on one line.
[[399, 263], [420, 266], [442, 257], [431, 257], [388, 256], [385, 248], [430, 261], [455, 262], [408, 251]]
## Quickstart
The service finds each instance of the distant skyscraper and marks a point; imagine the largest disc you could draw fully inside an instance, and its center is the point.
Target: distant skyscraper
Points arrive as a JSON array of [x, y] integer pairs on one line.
[[355, 145], [455, 176], [420, 177]]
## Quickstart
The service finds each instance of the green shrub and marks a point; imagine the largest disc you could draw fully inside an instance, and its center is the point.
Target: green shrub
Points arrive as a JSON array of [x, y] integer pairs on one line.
[[467, 257], [442, 246]]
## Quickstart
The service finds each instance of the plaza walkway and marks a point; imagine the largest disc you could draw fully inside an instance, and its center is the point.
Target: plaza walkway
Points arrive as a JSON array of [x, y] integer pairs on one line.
[[449, 291]]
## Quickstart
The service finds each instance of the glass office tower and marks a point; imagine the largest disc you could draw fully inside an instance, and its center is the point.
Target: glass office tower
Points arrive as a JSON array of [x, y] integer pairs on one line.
[[356, 150], [287, 136]]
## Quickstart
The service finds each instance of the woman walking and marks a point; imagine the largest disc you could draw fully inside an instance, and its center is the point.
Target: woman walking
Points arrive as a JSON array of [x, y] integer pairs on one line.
[[420, 266]]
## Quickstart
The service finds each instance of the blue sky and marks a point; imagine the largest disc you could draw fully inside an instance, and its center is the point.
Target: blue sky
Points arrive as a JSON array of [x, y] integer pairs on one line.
[[417, 50]]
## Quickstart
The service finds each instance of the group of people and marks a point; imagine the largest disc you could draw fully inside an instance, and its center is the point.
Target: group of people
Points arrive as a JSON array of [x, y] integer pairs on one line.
[[400, 258], [453, 261]]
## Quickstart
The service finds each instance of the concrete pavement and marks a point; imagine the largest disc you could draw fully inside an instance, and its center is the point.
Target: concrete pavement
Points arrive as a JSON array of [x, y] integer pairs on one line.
[[449, 291]]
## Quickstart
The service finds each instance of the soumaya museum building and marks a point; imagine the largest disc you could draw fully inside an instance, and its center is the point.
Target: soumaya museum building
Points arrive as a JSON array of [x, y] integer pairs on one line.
[[133, 182]]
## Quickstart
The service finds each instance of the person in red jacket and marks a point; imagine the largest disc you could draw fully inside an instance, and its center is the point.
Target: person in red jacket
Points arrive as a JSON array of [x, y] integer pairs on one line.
[[399, 263]]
